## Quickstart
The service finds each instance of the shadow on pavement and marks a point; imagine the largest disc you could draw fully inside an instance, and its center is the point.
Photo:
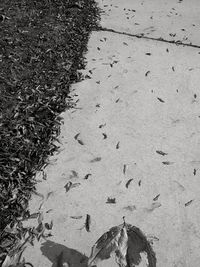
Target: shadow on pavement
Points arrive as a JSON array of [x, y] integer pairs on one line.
[[59, 254]]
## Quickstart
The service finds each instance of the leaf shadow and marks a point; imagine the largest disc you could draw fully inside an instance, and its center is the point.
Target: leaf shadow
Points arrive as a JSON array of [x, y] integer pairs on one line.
[[137, 244], [59, 254]]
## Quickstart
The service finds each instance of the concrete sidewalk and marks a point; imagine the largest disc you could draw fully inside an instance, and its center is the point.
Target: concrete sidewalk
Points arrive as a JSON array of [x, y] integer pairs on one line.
[[137, 117]]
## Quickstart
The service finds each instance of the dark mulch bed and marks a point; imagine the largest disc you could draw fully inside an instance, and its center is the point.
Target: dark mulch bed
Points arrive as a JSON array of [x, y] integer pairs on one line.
[[42, 46]]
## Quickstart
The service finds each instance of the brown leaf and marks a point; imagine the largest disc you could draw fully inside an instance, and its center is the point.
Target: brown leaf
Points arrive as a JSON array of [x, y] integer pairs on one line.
[[76, 217], [117, 146], [115, 240], [87, 176], [161, 100], [95, 159], [128, 183], [104, 135], [111, 200], [156, 198], [161, 152], [102, 125], [80, 142], [49, 226], [167, 162], [68, 186], [189, 202], [124, 168], [88, 222], [76, 136], [146, 74]]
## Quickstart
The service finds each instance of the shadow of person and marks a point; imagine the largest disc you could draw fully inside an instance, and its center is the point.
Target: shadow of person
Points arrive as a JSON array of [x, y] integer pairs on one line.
[[59, 254]]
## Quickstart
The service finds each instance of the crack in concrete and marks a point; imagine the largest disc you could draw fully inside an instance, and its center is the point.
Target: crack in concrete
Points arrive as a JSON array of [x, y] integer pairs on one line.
[[142, 36]]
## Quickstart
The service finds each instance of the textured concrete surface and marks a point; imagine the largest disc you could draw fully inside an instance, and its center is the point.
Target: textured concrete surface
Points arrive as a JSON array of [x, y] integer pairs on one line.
[[138, 117]]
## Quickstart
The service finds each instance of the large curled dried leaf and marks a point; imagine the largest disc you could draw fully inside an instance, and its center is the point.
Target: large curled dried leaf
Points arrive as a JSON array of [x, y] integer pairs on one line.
[[115, 240], [137, 243], [122, 248]]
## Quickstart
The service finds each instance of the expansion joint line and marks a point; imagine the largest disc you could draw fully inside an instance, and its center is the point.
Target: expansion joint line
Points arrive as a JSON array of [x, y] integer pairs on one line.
[[142, 36]]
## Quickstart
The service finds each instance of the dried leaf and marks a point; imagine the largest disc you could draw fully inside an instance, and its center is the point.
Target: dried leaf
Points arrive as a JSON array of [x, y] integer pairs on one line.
[[161, 152], [121, 251], [49, 226], [117, 146], [161, 100], [146, 74], [88, 222], [167, 162], [115, 240], [78, 140], [124, 168], [68, 186], [128, 183], [76, 217], [156, 197], [95, 159], [102, 125], [189, 202], [87, 176], [104, 135], [76, 136], [111, 200]]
